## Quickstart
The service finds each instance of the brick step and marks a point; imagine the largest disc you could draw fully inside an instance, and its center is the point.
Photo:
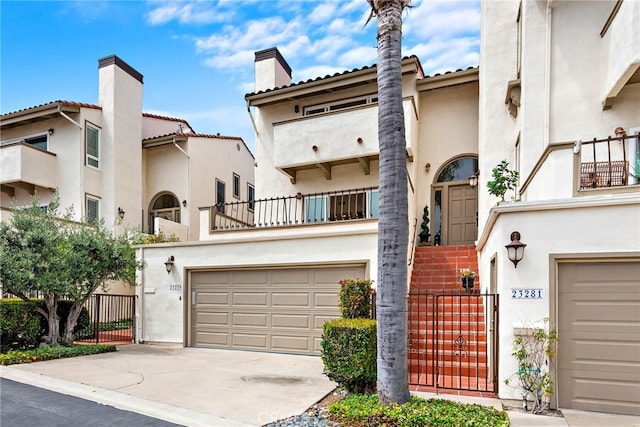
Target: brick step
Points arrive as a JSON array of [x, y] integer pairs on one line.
[[450, 370]]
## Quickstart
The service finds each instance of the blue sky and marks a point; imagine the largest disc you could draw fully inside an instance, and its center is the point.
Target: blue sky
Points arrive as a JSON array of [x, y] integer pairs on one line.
[[197, 56]]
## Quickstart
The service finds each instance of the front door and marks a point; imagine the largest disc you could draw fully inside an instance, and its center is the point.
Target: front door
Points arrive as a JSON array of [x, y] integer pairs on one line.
[[462, 218]]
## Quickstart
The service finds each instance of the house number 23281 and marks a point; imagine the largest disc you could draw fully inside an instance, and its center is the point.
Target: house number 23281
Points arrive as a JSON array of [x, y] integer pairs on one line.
[[526, 293]]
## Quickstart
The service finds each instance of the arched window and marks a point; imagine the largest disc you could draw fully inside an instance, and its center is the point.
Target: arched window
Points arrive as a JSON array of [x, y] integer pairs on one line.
[[458, 170], [165, 206], [166, 201]]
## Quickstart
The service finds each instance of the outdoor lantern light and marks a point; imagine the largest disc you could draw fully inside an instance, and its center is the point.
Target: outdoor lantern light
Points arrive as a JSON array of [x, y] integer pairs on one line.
[[473, 179], [184, 203], [515, 249], [51, 131], [121, 213], [169, 264]]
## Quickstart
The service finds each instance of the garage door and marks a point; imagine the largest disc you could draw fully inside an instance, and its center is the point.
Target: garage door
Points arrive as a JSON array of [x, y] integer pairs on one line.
[[279, 310], [599, 332]]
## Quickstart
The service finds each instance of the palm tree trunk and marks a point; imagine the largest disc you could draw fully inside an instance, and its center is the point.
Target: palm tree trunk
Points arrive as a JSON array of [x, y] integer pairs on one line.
[[393, 223]]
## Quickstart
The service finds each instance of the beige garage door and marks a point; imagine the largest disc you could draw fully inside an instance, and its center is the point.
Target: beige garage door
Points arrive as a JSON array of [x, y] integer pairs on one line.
[[599, 331], [279, 310]]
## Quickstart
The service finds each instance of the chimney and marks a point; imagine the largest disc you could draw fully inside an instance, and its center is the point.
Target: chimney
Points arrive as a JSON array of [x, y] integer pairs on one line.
[[271, 70]]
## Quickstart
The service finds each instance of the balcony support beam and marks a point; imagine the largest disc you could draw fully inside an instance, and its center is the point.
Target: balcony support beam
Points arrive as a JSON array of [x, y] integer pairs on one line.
[[326, 169], [365, 163]]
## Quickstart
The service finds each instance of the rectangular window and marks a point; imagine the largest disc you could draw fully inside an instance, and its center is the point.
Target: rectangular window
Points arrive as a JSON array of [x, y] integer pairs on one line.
[[251, 196], [339, 105], [236, 185], [315, 209], [92, 209], [40, 141], [220, 199], [93, 146]]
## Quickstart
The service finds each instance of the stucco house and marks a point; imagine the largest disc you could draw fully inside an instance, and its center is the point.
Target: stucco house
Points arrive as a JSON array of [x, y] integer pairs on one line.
[[114, 162], [556, 79]]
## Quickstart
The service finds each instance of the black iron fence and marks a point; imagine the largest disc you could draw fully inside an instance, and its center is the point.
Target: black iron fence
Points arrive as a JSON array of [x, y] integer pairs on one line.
[[111, 319], [312, 208]]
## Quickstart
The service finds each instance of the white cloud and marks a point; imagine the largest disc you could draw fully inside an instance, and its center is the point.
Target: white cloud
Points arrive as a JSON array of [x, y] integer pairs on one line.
[[197, 12]]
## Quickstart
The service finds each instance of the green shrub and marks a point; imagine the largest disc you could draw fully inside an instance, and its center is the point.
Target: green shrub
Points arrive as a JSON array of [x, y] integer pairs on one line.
[[365, 410], [355, 298], [20, 326], [54, 352], [349, 353]]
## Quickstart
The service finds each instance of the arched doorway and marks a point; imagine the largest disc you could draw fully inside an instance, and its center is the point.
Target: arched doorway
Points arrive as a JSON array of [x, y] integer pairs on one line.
[[165, 206], [455, 202]]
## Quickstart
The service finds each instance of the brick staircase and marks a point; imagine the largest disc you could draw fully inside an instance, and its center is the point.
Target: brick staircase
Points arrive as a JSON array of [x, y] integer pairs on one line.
[[447, 333]]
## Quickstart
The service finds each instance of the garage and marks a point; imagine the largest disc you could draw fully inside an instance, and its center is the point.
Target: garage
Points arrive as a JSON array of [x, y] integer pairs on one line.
[[599, 332], [269, 309]]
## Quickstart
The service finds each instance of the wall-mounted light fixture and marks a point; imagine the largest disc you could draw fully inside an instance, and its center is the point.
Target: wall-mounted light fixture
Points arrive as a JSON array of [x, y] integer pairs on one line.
[[473, 179], [168, 264], [51, 131], [184, 203], [515, 249], [121, 212], [427, 167]]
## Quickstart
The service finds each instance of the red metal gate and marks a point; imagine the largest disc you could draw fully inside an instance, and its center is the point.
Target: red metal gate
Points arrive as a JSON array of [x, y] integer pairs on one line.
[[453, 342]]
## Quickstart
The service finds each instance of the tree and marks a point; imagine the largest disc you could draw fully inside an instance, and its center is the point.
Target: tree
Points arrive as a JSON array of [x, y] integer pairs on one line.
[[32, 252], [393, 222], [95, 258], [44, 252]]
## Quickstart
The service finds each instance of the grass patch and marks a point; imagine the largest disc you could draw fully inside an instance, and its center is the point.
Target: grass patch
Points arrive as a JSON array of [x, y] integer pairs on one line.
[[364, 410], [14, 357]]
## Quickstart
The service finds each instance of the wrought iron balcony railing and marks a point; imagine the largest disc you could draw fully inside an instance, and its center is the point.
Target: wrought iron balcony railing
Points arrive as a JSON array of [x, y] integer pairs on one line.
[[609, 162], [313, 208]]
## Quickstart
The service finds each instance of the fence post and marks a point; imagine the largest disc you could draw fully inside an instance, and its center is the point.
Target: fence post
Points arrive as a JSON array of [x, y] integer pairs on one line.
[[96, 324]]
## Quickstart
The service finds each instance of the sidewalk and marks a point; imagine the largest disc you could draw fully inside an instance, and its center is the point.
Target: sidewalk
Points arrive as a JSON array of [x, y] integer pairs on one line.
[[206, 387]]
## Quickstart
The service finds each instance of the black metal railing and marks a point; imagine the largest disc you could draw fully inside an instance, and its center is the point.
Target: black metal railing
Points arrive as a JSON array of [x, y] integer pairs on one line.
[[609, 162], [312, 208], [111, 319]]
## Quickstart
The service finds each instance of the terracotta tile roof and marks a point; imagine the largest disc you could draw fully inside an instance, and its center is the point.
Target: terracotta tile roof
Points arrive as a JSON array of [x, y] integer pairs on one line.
[[53, 103], [200, 135], [452, 72], [366, 67], [172, 119]]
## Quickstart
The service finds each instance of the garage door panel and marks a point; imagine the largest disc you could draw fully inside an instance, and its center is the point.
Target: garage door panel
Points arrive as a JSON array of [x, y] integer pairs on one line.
[[293, 277], [249, 298], [258, 320], [599, 331], [258, 341], [215, 319], [289, 299], [249, 277], [213, 298], [213, 338], [299, 321], [289, 343], [280, 310]]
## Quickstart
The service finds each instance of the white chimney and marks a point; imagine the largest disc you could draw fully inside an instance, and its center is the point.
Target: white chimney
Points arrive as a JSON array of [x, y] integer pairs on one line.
[[271, 70]]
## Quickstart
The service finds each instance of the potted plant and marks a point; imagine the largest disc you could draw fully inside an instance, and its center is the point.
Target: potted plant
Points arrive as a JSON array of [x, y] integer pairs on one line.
[[503, 179], [467, 276], [424, 233]]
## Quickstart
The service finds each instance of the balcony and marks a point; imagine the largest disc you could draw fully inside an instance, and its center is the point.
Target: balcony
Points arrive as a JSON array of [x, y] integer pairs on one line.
[[301, 209], [26, 167], [326, 140], [609, 163]]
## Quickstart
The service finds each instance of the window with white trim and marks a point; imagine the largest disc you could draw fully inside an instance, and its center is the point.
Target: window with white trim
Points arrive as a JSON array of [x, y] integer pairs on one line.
[[251, 196], [92, 141], [339, 207], [340, 105], [236, 186], [92, 209]]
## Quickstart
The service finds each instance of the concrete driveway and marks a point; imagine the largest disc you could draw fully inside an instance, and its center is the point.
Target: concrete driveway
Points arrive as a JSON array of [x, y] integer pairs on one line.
[[188, 386]]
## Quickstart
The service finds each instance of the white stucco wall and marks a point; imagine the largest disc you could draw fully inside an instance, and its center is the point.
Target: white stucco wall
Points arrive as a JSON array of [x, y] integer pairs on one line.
[[162, 311], [581, 228]]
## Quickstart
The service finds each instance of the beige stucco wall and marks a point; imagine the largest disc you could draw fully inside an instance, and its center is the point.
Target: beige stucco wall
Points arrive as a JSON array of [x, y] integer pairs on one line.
[[153, 126]]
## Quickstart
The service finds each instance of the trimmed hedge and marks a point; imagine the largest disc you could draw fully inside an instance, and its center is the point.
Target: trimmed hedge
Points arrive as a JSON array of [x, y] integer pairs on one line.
[[355, 298], [349, 352], [20, 326]]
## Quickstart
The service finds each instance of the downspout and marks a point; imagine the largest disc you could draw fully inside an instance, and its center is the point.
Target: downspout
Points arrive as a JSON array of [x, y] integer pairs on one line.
[[140, 303], [188, 181], [547, 76], [253, 122]]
